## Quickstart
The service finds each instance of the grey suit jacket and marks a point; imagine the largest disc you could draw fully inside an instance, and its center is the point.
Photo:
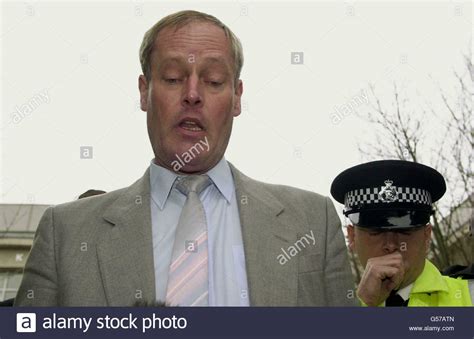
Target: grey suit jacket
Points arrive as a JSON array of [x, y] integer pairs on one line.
[[98, 251]]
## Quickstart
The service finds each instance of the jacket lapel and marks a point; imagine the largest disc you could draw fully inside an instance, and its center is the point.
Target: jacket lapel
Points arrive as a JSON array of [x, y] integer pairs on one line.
[[265, 232], [125, 252]]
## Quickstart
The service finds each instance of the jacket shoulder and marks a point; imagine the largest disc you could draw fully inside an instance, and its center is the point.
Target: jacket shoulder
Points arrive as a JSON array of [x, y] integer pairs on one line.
[[287, 194], [87, 208], [89, 205], [291, 193]]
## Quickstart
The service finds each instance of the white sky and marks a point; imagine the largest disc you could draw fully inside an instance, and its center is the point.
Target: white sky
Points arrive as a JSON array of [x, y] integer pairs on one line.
[[85, 55]]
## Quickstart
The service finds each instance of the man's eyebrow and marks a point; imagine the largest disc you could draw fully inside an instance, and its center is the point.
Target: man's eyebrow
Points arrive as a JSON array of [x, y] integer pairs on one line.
[[182, 61], [220, 61], [171, 60]]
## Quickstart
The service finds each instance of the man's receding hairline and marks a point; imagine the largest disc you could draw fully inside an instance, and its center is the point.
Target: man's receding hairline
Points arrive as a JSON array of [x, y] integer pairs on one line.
[[191, 21], [197, 20]]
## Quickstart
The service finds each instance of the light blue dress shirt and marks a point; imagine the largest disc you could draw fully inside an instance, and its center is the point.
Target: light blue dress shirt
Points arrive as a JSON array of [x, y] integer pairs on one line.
[[227, 272]]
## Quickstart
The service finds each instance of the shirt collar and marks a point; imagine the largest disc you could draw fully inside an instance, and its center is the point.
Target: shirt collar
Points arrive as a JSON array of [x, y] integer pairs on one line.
[[405, 292], [221, 176], [162, 181]]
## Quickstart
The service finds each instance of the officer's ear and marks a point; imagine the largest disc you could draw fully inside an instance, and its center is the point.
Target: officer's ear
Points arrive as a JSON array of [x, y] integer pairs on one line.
[[427, 236], [351, 236]]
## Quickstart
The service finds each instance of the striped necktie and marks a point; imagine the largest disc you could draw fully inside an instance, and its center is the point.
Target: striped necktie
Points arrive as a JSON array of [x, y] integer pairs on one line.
[[188, 281]]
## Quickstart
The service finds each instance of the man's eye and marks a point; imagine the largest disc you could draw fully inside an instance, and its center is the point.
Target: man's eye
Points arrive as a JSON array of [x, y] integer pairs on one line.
[[171, 80], [373, 234], [214, 83]]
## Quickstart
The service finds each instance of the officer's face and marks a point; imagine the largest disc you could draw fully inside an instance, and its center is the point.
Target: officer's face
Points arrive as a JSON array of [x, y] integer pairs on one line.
[[191, 98], [412, 245]]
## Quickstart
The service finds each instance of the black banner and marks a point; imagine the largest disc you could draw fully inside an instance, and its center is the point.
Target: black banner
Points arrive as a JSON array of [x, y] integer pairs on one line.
[[233, 322]]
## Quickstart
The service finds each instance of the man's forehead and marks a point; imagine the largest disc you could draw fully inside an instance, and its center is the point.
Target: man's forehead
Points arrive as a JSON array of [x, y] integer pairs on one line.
[[195, 37], [184, 58]]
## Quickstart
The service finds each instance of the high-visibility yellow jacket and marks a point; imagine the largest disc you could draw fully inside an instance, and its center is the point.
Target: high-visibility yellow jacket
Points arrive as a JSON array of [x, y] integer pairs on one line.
[[433, 289]]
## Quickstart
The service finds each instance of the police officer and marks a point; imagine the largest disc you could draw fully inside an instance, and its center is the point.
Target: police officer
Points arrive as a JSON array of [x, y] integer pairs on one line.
[[389, 204]]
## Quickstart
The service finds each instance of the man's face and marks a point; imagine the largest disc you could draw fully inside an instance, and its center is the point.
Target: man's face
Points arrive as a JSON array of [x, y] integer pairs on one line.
[[191, 97], [412, 244]]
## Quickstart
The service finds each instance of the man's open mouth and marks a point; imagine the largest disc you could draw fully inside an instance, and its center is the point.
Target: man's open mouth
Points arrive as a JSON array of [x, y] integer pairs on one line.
[[191, 124]]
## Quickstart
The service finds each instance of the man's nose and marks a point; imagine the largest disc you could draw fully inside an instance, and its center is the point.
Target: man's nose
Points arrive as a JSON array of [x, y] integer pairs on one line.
[[390, 242], [192, 95]]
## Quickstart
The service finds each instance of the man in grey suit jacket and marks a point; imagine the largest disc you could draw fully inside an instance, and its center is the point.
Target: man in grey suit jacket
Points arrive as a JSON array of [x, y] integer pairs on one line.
[[107, 250]]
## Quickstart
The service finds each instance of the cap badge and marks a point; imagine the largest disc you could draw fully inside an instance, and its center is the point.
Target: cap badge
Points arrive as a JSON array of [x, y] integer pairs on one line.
[[388, 193]]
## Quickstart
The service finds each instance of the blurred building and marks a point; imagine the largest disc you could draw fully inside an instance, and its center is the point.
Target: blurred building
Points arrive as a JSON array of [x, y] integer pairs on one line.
[[18, 223], [458, 228]]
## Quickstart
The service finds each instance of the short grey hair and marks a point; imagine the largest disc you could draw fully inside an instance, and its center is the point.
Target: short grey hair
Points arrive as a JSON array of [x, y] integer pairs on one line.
[[178, 20]]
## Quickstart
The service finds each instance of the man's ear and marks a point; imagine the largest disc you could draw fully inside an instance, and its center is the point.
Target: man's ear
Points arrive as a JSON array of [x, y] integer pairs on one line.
[[239, 89], [351, 236], [427, 237], [143, 88]]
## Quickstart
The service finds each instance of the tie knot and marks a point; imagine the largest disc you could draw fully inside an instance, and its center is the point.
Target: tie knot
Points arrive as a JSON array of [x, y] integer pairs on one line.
[[193, 183]]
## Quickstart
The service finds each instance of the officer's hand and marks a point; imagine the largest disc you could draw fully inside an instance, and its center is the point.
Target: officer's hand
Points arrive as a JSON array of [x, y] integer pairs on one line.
[[381, 276]]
